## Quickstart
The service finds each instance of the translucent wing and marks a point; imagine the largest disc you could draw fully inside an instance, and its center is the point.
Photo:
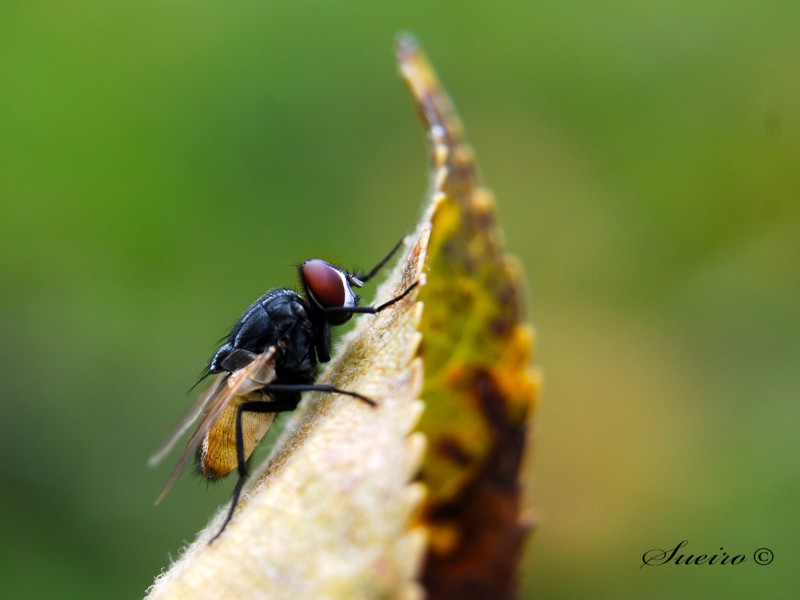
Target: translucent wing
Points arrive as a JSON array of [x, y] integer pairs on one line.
[[190, 417], [225, 388]]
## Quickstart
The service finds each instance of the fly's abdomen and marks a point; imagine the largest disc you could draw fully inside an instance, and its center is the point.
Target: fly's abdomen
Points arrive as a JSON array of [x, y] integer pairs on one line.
[[218, 451]]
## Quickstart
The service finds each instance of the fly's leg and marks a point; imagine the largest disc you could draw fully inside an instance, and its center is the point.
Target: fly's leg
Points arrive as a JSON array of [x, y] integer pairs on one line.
[[365, 277], [315, 387], [370, 310], [274, 406]]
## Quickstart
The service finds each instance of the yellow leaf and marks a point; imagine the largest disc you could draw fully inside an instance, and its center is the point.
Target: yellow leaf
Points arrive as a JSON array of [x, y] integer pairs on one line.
[[479, 388]]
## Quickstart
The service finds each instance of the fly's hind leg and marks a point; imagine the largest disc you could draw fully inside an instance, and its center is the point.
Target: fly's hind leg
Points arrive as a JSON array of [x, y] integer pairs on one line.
[[274, 406], [257, 406]]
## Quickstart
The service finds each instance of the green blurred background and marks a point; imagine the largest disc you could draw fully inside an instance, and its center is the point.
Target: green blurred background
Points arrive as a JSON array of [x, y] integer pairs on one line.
[[163, 163]]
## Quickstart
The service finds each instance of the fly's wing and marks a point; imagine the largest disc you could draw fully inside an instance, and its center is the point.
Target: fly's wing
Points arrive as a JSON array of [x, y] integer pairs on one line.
[[225, 389], [190, 417]]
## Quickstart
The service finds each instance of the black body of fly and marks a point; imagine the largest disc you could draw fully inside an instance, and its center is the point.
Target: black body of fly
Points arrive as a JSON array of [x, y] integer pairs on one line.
[[294, 331]]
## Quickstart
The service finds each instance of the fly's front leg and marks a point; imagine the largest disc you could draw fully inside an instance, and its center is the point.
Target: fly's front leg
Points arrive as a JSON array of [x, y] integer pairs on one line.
[[370, 310], [365, 277]]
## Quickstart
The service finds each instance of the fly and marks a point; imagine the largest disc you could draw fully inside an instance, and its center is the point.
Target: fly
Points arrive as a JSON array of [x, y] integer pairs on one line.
[[267, 360]]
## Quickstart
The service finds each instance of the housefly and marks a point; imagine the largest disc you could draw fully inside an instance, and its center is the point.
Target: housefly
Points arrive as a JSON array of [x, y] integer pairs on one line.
[[266, 361]]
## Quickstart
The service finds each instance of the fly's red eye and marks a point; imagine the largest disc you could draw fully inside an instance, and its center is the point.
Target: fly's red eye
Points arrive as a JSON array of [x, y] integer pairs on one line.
[[324, 282]]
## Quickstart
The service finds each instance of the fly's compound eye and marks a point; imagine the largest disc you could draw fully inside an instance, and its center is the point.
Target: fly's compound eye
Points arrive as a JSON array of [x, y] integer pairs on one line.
[[328, 287]]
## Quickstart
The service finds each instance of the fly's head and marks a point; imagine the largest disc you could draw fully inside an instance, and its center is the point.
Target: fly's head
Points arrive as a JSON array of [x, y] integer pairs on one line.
[[329, 288]]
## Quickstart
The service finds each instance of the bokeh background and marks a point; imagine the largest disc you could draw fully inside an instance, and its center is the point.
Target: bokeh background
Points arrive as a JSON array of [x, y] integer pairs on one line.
[[163, 163]]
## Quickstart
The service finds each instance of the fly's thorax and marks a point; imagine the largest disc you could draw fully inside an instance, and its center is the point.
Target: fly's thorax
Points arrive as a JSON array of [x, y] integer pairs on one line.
[[267, 322], [217, 361], [296, 362]]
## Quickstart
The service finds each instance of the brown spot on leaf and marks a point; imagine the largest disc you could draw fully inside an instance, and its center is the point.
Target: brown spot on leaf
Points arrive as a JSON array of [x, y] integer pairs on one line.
[[452, 449]]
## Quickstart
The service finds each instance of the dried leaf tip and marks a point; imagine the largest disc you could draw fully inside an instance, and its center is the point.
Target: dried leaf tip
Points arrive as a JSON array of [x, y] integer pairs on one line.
[[479, 388]]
